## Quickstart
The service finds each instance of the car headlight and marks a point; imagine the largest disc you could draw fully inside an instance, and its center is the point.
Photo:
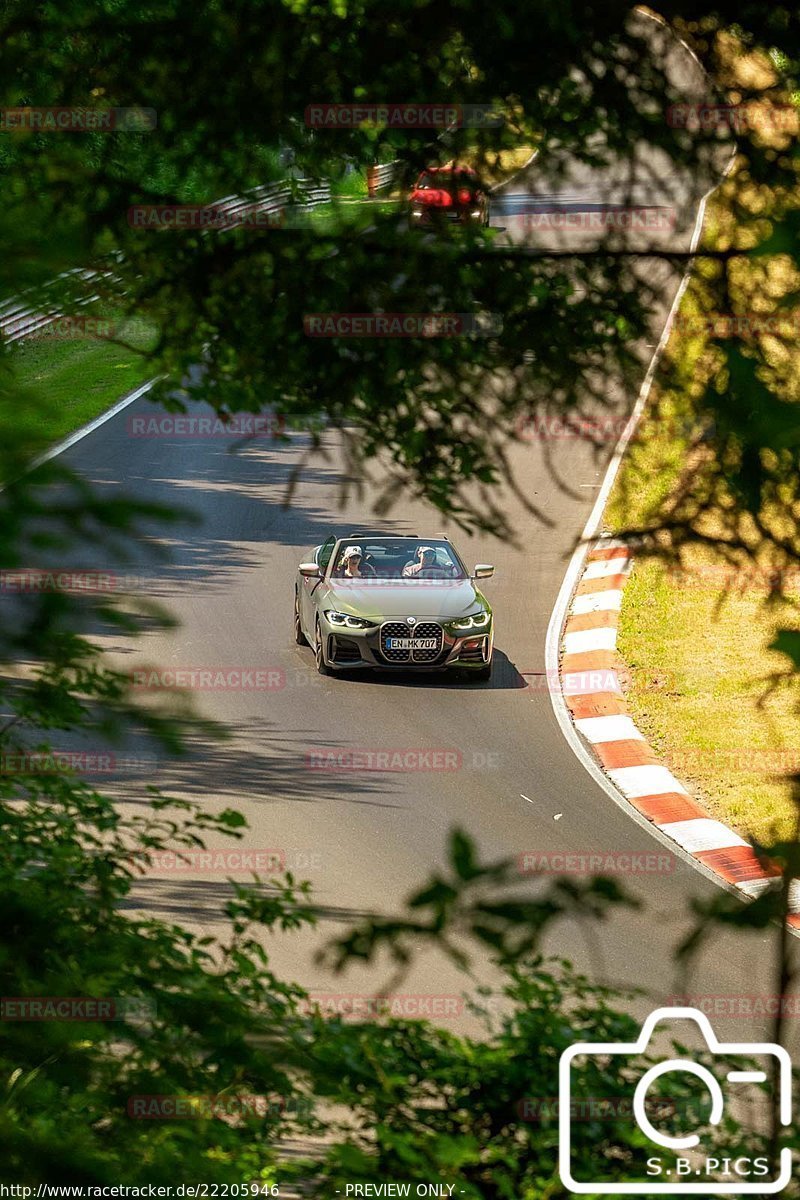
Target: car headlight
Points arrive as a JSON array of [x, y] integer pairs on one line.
[[478, 620], [348, 622], [476, 212], [416, 212]]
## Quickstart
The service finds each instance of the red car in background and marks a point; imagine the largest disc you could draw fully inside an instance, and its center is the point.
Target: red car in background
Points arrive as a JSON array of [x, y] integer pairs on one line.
[[452, 194]]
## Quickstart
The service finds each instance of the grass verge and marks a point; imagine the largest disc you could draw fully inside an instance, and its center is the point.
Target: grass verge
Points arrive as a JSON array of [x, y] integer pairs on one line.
[[708, 685], [698, 648], [705, 684], [70, 381]]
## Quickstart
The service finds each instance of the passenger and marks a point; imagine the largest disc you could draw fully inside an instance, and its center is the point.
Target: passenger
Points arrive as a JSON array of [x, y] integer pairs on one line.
[[352, 565], [426, 561]]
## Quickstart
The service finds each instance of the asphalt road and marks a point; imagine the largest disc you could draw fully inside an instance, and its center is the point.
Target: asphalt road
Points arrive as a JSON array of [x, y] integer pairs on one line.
[[366, 839]]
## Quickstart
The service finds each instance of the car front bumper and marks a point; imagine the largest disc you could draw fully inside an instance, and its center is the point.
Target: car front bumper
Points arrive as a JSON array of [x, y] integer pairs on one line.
[[436, 215], [360, 649]]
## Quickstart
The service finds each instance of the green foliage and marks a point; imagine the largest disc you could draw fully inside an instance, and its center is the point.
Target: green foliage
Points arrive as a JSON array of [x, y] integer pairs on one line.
[[238, 299]]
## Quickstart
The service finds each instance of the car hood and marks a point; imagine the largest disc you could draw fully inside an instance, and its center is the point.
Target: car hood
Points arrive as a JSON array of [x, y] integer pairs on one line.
[[437, 599]]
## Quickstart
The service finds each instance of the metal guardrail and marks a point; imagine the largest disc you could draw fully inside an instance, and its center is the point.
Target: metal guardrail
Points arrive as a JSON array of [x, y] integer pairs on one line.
[[21, 318], [385, 174], [18, 319], [272, 197]]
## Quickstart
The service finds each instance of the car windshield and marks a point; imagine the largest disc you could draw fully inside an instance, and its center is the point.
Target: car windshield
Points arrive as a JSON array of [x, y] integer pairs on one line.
[[397, 558], [446, 181]]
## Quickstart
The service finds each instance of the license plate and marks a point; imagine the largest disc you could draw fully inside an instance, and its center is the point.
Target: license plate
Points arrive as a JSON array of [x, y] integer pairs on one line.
[[411, 643]]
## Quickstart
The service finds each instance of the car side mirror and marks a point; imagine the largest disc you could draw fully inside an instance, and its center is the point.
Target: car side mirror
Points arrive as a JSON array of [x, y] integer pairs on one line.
[[310, 570], [483, 571]]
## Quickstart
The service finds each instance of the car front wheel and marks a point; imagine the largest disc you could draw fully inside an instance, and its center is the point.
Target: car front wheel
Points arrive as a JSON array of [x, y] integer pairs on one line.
[[319, 653], [299, 636]]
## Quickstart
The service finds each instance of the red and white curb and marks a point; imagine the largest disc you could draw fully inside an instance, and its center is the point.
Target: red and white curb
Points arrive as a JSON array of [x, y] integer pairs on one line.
[[590, 672]]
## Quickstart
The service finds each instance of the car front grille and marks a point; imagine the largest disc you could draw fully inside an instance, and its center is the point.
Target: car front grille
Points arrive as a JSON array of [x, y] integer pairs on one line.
[[435, 213], [425, 629]]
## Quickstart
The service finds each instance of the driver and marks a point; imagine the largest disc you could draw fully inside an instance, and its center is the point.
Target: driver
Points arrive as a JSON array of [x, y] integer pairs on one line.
[[352, 565], [426, 561]]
